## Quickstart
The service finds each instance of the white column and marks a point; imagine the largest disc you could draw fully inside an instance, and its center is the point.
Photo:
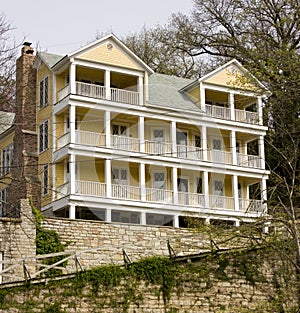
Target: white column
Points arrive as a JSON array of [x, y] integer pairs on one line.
[[204, 142], [54, 98], [108, 178], [263, 187], [108, 215], [143, 181], [72, 121], [72, 169], [107, 128], [72, 211], [237, 223], [143, 220], [141, 90], [72, 78], [175, 187], [146, 86], [176, 221], [205, 189], [260, 110], [233, 147], [261, 151], [235, 192], [53, 164], [141, 132], [173, 139], [107, 85], [202, 98], [231, 106]]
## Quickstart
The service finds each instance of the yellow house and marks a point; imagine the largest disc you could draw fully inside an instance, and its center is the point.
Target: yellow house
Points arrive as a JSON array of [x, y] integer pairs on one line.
[[120, 143]]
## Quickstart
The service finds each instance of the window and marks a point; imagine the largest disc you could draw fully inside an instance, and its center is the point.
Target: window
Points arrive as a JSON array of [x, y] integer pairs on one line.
[[45, 179], [43, 135], [7, 154], [44, 95], [3, 201]]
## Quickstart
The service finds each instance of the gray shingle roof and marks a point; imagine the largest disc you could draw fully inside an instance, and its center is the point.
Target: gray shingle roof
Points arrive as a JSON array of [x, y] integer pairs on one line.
[[164, 92], [49, 58]]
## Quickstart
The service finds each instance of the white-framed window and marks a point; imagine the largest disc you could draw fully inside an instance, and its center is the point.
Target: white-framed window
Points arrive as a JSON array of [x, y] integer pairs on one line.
[[44, 92], [3, 201], [6, 159], [43, 136], [45, 187]]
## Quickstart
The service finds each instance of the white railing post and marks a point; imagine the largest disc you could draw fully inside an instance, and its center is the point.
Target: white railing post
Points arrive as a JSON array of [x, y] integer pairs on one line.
[[204, 142], [107, 85], [261, 151], [260, 110], [231, 106], [235, 192], [175, 187], [205, 189], [173, 139], [141, 90], [107, 129], [233, 147], [72, 121], [72, 78], [202, 98], [108, 178], [141, 132]]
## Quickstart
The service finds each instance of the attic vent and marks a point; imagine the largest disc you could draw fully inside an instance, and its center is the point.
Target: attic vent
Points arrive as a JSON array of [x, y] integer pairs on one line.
[[109, 46]]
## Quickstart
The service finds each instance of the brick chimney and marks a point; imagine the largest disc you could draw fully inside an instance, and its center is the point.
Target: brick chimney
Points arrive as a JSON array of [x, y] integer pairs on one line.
[[25, 180]]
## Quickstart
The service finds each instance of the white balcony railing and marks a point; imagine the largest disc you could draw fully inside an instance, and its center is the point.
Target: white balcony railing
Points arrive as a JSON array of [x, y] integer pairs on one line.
[[90, 90], [89, 138], [125, 143], [189, 152], [158, 148], [63, 140], [159, 195], [63, 92], [124, 96], [240, 115], [248, 160], [220, 156], [191, 199], [97, 189]]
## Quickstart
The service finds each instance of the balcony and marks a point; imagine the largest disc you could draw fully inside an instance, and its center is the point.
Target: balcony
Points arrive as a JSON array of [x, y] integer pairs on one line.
[[163, 149], [239, 115], [163, 196], [99, 92]]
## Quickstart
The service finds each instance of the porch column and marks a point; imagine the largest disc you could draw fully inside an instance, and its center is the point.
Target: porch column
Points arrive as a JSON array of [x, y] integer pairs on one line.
[[261, 151], [263, 186], [143, 220], [204, 142], [72, 211], [108, 215], [260, 110], [54, 148], [107, 128], [108, 178], [202, 98], [175, 187], [107, 85], [72, 169], [235, 192], [233, 147], [176, 221], [173, 139], [146, 87], [231, 106], [72, 121], [205, 189], [143, 181], [141, 132], [72, 78], [141, 90]]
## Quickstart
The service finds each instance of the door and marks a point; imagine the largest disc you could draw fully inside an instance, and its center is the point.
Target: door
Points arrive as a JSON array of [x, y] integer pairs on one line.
[[181, 140], [218, 199], [120, 182], [183, 188], [120, 136], [198, 151], [159, 140], [159, 186]]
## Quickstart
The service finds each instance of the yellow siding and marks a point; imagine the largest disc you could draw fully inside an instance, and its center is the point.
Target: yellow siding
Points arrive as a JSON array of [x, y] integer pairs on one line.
[[115, 56], [134, 174], [194, 94], [60, 174], [231, 77]]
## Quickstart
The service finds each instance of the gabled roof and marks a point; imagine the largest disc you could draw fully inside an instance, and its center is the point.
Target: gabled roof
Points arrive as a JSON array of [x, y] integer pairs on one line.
[[164, 92], [49, 59], [6, 121], [119, 43]]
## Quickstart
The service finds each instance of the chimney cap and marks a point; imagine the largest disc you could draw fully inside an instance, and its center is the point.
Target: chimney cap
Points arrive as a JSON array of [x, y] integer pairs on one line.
[[26, 43]]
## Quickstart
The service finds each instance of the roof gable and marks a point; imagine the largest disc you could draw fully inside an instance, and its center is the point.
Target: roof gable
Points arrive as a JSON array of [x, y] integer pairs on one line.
[[234, 75], [112, 51]]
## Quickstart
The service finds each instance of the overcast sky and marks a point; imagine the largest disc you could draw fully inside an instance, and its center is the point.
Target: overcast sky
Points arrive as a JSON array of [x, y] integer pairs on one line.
[[62, 26]]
